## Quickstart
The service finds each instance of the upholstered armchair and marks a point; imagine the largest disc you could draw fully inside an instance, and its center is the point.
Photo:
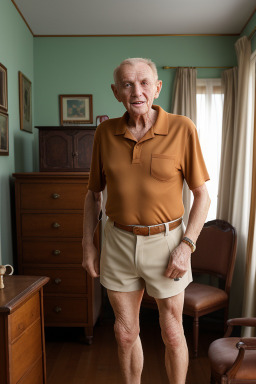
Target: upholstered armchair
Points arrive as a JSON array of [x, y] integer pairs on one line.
[[233, 359]]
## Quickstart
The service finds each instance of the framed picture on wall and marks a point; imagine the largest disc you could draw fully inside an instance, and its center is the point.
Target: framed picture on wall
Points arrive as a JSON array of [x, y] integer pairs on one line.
[[25, 92], [4, 134], [76, 109], [3, 88]]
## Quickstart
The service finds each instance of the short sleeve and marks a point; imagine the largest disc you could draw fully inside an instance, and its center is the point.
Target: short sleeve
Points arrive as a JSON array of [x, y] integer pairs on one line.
[[97, 179], [194, 168]]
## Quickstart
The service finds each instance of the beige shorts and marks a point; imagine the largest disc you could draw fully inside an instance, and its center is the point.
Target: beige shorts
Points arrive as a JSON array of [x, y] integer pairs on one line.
[[130, 262]]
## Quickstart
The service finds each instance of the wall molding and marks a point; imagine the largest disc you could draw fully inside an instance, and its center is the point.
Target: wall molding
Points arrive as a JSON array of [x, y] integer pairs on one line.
[[248, 21], [25, 21], [146, 35]]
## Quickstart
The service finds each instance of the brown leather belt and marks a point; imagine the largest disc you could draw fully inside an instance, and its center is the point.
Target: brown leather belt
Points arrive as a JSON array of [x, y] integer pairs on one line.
[[150, 230]]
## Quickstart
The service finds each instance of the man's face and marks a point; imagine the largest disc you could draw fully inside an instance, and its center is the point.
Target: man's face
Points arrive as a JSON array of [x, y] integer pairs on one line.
[[137, 88]]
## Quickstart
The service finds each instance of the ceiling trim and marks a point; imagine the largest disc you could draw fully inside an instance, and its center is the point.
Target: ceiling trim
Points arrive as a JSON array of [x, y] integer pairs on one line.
[[141, 35], [252, 34], [248, 21], [223, 67], [131, 35], [25, 21]]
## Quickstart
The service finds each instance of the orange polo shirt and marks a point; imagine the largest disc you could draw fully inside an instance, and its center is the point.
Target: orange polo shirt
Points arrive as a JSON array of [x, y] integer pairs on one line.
[[145, 178]]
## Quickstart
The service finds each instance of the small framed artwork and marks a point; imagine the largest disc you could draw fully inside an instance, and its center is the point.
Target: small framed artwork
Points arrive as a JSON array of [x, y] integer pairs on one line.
[[25, 90], [4, 134], [3, 88], [76, 109]]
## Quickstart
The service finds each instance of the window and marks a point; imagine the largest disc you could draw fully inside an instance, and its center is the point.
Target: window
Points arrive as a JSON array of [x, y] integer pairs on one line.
[[209, 100]]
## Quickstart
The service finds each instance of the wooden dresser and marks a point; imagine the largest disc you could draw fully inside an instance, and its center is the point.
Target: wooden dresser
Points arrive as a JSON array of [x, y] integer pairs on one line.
[[49, 216], [65, 148], [22, 346]]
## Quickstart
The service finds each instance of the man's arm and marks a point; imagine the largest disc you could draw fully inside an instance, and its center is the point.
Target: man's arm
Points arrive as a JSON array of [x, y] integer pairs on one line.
[[180, 257], [92, 208]]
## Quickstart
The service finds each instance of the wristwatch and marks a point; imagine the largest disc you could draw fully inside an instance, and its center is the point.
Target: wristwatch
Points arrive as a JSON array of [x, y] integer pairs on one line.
[[190, 243]]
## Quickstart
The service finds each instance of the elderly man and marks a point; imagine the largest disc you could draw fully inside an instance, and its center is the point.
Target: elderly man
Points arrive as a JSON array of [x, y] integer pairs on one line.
[[143, 158]]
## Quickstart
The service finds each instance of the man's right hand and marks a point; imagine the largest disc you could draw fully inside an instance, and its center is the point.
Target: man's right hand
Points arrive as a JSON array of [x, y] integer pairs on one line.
[[91, 260]]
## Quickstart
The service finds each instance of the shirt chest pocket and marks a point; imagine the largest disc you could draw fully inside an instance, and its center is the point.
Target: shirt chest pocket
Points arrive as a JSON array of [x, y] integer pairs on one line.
[[163, 167]]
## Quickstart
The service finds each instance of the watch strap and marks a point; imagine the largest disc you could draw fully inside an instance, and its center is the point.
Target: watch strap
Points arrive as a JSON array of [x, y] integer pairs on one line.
[[190, 243]]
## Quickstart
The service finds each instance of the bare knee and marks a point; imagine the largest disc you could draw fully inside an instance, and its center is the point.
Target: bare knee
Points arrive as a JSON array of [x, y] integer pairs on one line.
[[172, 333], [125, 335]]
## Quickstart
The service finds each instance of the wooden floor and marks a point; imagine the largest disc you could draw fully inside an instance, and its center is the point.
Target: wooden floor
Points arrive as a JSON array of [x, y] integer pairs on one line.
[[69, 361]]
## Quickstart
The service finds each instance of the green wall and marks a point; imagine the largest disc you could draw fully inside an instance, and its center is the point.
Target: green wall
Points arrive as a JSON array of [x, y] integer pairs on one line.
[[16, 54], [84, 65]]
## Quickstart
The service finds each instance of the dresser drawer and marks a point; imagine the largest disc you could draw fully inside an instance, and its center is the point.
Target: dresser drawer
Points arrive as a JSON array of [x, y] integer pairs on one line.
[[52, 225], [65, 310], [52, 196], [52, 252], [26, 351], [61, 280], [26, 315], [35, 375]]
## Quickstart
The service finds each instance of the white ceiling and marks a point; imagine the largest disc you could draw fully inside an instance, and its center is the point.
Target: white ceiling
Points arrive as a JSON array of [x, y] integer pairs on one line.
[[133, 17]]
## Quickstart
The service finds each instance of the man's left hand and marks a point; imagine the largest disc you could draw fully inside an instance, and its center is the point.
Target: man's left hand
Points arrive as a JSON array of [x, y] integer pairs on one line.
[[179, 261]]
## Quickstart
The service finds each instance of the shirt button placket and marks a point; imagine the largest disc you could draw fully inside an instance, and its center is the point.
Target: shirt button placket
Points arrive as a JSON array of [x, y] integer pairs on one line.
[[136, 154]]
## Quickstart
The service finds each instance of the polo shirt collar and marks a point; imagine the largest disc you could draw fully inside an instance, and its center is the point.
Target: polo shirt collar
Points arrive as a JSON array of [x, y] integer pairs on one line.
[[121, 126], [160, 127]]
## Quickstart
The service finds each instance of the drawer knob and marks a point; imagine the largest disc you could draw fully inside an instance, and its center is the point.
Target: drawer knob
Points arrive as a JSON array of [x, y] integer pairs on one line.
[[57, 309], [56, 225], [57, 280], [55, 196], [56, 252]]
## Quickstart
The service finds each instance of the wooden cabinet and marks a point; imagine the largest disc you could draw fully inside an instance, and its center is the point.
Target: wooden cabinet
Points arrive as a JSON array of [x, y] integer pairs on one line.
[[22, 346], [65, 149], [49, 215]]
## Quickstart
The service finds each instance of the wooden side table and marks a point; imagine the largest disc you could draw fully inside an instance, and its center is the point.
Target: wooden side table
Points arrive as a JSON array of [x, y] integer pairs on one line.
[[22, 345]]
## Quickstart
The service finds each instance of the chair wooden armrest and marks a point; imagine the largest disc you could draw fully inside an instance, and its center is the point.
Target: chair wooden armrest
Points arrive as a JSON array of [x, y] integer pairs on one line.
[[244, 321], [247, 321], [247, 343]]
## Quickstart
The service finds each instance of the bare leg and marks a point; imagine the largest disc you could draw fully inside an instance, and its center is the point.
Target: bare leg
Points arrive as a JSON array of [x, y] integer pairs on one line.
[[176, 351], [126, 306]]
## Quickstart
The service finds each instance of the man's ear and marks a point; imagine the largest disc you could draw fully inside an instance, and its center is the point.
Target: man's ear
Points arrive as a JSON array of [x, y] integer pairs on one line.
[[115, 91], [158, 88]]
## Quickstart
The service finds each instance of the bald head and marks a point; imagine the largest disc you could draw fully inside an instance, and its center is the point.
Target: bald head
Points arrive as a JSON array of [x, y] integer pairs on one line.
[[134, 61]]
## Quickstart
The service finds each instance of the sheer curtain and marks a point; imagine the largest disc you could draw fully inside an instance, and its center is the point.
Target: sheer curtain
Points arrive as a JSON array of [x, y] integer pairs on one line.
[[230, 88], [250, 280], [209, 126], [235, 186], [184, 103]]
